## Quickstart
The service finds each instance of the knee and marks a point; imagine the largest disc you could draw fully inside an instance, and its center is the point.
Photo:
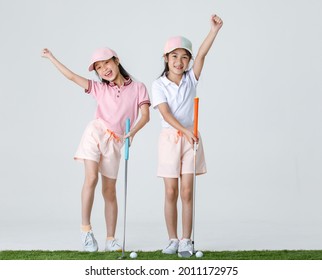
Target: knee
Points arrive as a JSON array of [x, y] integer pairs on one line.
[[172, 194], [91, 180], [109, 194], [186, 194]]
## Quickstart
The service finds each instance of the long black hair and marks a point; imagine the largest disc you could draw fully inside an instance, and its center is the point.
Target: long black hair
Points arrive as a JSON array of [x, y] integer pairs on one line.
[[166, 65], [123, 72]]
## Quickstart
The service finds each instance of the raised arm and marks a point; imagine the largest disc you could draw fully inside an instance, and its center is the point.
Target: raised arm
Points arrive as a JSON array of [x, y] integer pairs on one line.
[[81, 81], [216, 23]]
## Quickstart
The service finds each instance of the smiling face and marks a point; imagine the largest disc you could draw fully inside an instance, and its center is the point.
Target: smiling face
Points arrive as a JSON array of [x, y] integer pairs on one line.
[[108, 69], [178, 62]]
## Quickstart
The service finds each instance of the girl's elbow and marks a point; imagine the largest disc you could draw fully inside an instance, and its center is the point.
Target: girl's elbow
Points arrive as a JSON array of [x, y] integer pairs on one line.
[[72, 78]]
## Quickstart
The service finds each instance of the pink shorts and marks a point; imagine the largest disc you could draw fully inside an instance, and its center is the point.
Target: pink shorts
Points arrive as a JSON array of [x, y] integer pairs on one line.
[[176, 155], [101, 145]]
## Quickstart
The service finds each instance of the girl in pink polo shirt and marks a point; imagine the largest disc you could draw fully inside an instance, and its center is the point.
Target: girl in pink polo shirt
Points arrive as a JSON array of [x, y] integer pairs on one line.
[[118, 98], [173, 95]]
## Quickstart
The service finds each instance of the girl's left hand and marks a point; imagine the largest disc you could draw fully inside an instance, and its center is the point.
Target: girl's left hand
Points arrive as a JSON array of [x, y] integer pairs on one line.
[[216, 22]]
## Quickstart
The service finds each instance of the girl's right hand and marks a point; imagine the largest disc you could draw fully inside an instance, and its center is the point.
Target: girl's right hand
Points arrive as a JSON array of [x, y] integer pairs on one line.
[[190, 136], [46, 53]]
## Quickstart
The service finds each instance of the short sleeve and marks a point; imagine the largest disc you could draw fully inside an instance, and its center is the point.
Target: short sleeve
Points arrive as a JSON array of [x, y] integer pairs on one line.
[[192, 77], [158, 94], [95, 88], [143, 95]]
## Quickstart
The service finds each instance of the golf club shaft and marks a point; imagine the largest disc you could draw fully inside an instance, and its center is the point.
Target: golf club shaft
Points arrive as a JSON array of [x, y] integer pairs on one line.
[[127, 153], [125, 198], [195, 146]]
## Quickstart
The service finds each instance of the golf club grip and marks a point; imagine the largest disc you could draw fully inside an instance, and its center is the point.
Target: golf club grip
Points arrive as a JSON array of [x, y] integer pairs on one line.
[[195, 119], [127, 140]]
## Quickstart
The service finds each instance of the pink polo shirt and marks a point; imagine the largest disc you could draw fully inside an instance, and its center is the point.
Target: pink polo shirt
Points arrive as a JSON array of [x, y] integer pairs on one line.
[[115, 105]]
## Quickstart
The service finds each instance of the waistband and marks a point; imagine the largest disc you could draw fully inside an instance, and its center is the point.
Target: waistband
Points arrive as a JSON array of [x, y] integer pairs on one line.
[[110, 133], [173, 131]]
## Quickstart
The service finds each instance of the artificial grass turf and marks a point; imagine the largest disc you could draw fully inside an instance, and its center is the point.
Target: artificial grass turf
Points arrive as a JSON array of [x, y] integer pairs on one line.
[[157, 255]]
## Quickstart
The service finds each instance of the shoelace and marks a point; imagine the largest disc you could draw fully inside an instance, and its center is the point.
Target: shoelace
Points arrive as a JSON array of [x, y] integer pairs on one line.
[[184, 243], [89, 239], [113, 243], [172, 242]]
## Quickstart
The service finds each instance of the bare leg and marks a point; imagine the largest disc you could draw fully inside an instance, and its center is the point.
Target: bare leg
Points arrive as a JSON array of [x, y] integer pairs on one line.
[[111, 209], [186, 193], [91, 178], [170, 206]]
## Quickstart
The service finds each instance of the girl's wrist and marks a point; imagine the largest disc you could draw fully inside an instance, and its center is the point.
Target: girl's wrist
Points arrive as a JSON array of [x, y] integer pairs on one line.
[[185, 131], [214, 30], [133, 132]]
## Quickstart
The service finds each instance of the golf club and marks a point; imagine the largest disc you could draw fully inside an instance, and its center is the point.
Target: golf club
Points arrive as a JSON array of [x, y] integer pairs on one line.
[[188, 254], [126, 156]]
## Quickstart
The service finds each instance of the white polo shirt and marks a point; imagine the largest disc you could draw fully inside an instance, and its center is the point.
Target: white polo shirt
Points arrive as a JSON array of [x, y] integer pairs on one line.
[[180, 98]]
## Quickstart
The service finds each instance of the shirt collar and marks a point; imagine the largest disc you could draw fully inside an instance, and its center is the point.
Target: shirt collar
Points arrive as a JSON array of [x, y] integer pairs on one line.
[[167, 82], [127, 81]]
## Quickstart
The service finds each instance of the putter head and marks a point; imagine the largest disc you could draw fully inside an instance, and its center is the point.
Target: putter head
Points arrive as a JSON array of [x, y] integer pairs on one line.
[[185, 254], [122, 257], [188, 253]]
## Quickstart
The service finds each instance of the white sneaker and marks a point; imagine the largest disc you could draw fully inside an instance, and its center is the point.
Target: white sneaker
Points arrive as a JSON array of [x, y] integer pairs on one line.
[[185, 248], [172, 248], [113, 246], [89, 242]]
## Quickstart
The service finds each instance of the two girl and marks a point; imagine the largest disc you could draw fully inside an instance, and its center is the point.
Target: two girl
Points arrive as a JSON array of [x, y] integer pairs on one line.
[[119, 97]]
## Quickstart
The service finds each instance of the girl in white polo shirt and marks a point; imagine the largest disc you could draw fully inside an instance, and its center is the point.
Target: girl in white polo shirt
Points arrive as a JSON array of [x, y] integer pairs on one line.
[[173, 95], [118, 98]]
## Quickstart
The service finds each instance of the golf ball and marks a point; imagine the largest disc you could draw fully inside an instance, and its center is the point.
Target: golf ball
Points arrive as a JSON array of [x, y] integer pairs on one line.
[[199, 254], [133, 255]]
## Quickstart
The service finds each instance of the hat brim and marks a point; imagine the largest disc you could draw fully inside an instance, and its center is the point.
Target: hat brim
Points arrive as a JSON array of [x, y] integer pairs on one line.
[[171, 50], [91, 66]]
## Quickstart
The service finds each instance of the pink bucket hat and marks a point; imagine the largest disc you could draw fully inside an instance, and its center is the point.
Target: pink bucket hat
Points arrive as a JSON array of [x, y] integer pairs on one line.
[[100, 55], [177, 42]]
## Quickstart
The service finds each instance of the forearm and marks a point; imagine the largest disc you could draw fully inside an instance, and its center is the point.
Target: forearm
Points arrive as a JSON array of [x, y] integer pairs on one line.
[[140, 124], [177, 125], [207, 43], [70, 75], [62, 68], [170, 119], [145, 118], [216, 24]]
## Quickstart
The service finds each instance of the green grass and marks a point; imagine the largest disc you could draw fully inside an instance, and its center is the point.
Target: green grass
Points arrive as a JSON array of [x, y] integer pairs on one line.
[[157, 255]]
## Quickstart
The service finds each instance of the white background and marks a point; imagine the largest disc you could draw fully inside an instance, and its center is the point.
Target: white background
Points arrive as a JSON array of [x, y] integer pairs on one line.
[[260, 117]]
